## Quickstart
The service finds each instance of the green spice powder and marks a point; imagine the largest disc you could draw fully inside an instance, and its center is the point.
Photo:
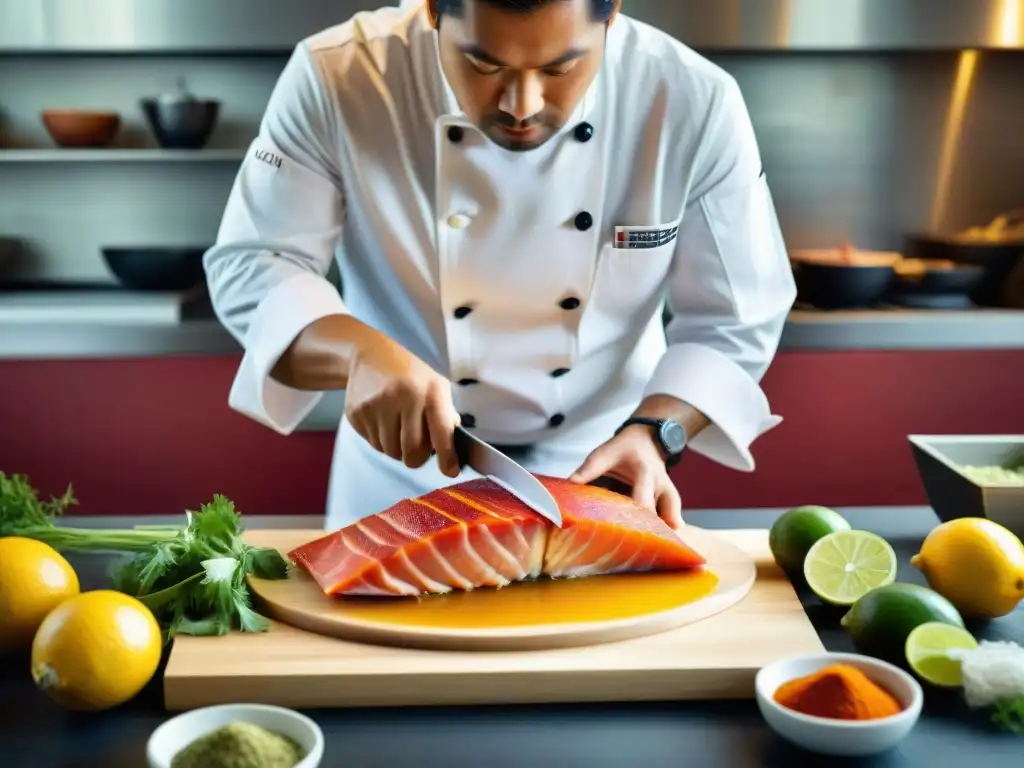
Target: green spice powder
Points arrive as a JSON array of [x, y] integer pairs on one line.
[[240, 745]]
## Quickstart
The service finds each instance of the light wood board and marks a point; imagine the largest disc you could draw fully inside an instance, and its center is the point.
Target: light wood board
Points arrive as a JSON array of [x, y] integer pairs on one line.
[[715, 658], [300, 603]]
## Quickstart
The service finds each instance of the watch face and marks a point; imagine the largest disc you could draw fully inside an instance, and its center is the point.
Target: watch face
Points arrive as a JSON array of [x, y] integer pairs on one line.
[[673, 436]]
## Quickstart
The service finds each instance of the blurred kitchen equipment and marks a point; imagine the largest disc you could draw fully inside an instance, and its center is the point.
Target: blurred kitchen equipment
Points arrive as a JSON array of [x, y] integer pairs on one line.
[[997, 248], [173, 268], [11, 249], [935, 284], [81, 128], [1013, 290], [954, 492], [933, 276], [179, 120], [843, 278]]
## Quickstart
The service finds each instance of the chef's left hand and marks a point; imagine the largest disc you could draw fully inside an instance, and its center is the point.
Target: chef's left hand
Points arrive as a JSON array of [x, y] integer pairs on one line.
[[634, 458]]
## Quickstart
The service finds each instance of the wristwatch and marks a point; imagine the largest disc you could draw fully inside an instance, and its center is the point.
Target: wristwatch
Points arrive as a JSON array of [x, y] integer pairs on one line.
[[670, 434]]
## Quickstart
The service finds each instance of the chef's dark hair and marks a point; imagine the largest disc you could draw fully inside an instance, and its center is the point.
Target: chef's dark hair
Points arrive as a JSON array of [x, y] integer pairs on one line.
[[601, 9]]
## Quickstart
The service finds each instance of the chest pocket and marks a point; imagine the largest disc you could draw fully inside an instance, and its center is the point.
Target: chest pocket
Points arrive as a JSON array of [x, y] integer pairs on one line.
[[628, 287]]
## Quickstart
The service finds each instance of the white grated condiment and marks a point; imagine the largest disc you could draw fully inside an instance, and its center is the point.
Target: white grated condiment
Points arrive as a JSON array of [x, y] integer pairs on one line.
[[994, 476], [992, 672]]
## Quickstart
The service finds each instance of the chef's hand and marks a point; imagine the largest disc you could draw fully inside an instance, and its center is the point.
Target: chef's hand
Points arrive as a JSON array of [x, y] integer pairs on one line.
[[633, 457], [401, 406]]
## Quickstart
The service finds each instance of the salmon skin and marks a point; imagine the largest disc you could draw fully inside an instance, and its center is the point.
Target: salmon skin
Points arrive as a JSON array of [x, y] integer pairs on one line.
[[477, 534]]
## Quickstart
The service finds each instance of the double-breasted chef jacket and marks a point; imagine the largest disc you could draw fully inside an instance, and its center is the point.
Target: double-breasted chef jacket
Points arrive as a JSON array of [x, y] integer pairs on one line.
[[507, 271]]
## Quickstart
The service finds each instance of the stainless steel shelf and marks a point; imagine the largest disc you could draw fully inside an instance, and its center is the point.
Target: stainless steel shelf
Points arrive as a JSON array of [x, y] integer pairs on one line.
[[121, 155], [905, 330], [67, 341], [201, 334], [77, 324]]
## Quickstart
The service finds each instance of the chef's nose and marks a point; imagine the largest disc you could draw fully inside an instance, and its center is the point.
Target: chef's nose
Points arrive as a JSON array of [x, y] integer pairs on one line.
[[523, 97]]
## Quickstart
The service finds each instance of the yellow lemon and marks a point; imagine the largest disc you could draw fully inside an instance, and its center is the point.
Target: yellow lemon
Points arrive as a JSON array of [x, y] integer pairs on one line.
[[96, 651], [976, 564], [34, 579]]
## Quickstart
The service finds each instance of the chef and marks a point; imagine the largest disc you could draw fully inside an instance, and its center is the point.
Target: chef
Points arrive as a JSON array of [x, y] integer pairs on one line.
[[513, 189]]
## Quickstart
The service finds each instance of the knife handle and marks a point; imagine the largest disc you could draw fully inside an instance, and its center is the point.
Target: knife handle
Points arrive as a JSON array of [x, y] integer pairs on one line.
[[461, 443]]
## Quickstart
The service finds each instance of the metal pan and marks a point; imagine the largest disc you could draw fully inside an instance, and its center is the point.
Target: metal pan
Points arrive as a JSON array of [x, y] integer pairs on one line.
[[933, 278], [997, 248]]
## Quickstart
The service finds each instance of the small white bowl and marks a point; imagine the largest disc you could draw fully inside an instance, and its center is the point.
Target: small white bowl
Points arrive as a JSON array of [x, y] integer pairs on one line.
[[846, 738], [178, 732]]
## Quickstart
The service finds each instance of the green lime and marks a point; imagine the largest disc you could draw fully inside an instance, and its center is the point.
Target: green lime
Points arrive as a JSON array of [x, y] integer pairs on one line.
[[880, 622], [931, 652], [844, 566], [797, 530]]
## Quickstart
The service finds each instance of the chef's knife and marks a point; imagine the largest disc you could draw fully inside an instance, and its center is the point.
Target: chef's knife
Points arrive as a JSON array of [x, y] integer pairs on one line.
[[496, 466]]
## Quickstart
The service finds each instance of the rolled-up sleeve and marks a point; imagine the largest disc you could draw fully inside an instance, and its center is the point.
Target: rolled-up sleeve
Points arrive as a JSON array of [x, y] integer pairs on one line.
[[267, 272], [730, 291]]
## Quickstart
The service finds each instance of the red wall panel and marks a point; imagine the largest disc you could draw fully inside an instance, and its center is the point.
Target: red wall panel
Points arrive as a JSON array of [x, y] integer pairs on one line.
[[843, 441], [155, 436]]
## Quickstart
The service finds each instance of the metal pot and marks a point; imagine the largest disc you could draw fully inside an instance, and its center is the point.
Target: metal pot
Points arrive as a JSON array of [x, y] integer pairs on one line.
[[179, 120], [997, 248]]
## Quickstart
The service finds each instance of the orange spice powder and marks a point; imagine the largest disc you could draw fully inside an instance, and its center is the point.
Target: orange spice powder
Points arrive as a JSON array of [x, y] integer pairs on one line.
[[839, 692]]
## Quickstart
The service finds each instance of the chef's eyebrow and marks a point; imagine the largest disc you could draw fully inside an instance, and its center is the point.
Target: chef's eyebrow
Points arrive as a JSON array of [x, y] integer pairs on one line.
[[480, 54]]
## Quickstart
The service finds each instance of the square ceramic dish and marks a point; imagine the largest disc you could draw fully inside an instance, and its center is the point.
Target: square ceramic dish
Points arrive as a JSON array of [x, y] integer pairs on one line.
[[953, 494]]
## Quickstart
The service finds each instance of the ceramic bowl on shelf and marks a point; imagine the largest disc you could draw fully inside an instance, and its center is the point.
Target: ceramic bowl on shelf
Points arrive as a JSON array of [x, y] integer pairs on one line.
[[81, 128], [841, 738], [954, 491], [178, 732], [171, 268]]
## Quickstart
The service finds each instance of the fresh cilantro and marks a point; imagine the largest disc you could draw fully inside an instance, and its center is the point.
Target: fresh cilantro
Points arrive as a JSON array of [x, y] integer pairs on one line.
[[196, 584]]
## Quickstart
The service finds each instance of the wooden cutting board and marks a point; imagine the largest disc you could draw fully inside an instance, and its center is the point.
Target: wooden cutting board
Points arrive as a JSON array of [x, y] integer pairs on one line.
[[714, 658]]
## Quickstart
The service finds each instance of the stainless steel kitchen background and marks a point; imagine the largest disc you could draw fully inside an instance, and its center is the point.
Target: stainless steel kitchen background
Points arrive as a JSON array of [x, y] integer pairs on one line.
[[875, 117], [188, 25]]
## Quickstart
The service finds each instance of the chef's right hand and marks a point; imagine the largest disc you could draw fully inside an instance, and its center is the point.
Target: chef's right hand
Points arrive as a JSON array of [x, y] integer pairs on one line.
[[401, 406]]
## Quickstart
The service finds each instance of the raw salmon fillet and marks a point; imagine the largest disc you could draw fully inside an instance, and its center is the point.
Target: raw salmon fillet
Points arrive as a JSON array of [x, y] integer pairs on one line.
[[477, 534]]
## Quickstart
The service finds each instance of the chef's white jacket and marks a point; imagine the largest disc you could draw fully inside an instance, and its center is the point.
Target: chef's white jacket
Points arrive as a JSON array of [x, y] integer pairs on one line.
[[501, 269]]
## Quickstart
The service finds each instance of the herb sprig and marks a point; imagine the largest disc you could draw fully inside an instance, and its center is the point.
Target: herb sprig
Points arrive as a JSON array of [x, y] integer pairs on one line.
[[22, 513], [192, 577], [1008, 714], [195, 584]]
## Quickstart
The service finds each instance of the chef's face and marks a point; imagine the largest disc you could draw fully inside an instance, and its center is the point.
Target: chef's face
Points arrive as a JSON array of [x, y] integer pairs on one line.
[[520, 75]]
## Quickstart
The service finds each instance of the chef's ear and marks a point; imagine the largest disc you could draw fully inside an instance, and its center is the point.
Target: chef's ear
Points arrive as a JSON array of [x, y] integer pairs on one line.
[[432, 13]]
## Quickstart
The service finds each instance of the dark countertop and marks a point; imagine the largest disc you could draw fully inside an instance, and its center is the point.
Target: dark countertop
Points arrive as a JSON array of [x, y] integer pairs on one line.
[[37, 734]]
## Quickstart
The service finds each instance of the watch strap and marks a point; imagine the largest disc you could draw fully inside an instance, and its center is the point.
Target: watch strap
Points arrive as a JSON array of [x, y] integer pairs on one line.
[[656, 424]]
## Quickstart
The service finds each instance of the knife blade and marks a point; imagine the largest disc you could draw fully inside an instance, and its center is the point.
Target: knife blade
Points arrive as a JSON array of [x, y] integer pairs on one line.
[[517, 480]]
